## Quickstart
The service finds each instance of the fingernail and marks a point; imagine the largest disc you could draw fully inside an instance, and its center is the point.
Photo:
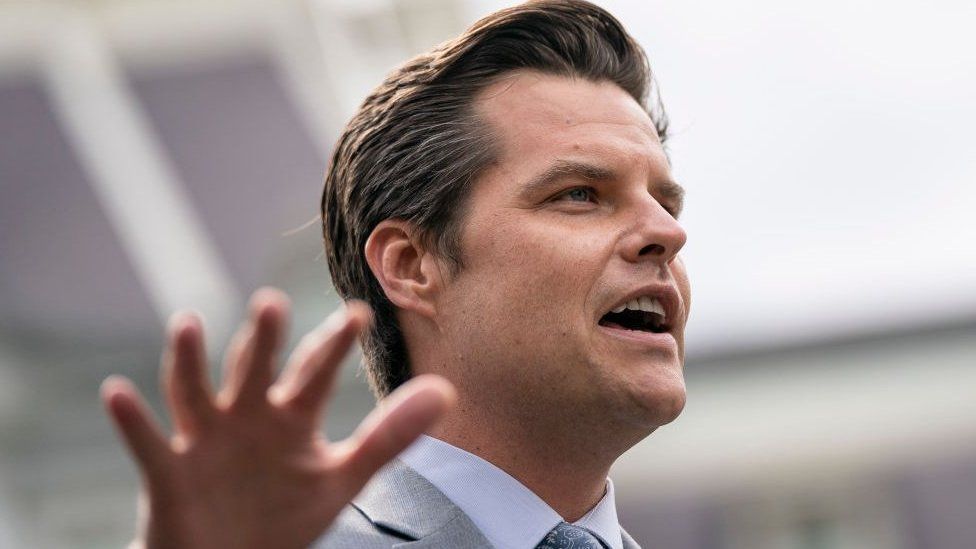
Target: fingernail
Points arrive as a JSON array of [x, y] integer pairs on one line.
[[180, 319], [334, 320], [363, 308], [174, 321], [111, 385]]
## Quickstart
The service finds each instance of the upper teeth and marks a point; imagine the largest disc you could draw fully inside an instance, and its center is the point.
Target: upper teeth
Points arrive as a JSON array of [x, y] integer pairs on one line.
[[643, 303]]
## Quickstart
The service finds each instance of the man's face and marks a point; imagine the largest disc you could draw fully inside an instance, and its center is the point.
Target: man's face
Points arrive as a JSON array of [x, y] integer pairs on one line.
[[575, 220]]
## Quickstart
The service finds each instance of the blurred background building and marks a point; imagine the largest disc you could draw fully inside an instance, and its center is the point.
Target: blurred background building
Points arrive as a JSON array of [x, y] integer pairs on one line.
[[163, 154]]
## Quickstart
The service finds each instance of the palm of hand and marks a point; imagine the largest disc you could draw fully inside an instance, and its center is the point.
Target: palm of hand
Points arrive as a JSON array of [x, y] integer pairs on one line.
[[249, 467]]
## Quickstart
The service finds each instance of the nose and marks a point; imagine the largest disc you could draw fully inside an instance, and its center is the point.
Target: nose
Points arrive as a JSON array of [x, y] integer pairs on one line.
[[653, 234]]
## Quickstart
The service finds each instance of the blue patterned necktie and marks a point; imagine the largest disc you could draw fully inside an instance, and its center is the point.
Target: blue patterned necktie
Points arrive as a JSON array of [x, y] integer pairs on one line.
[[567, 536]]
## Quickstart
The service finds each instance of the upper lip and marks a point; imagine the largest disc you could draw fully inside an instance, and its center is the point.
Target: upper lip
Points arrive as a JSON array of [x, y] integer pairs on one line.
[[667, 295]]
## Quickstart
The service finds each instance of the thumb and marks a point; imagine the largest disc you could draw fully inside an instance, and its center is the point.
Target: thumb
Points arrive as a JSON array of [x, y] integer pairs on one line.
[[399, 419]]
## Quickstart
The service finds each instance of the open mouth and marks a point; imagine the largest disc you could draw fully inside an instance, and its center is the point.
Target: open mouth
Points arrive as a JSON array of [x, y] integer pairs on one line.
[[643, 315]]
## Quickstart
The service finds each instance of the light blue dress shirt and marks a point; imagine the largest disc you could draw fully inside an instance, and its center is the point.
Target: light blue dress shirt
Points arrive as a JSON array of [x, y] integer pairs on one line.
[[510, 515]]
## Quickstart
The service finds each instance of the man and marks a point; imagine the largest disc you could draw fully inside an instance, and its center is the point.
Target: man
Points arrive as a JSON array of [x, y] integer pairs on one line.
[[504, 206]]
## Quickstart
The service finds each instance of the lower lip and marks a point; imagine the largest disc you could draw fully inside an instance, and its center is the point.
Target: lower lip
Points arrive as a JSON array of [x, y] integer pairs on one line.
[[645, 339]]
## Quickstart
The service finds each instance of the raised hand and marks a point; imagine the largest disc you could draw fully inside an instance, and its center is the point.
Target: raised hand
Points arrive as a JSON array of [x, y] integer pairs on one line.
[[249, 467]]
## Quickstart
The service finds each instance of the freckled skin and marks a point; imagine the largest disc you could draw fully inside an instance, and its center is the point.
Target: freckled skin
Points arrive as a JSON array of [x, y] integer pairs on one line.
[[534, 372]]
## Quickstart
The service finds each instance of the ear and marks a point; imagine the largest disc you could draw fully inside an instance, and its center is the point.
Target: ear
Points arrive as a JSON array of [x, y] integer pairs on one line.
[[407, 273]]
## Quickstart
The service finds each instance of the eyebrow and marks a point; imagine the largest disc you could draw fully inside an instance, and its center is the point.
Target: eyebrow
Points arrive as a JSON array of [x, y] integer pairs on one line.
[[563, 169]]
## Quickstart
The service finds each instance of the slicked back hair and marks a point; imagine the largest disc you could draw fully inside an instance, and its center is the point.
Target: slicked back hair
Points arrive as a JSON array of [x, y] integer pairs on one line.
[[416, 144]]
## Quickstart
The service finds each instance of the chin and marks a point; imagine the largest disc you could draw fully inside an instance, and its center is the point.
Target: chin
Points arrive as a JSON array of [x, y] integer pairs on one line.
[[661, 399]]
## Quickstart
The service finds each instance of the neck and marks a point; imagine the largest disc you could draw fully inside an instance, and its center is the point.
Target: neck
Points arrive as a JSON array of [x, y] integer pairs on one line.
[[569, 476]]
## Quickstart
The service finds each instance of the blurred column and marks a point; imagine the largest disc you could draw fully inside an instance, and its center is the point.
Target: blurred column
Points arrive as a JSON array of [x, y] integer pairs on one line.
[[145, 202]]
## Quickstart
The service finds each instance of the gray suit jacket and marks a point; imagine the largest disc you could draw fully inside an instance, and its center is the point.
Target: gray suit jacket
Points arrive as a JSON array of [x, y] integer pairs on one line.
[[400, 508]]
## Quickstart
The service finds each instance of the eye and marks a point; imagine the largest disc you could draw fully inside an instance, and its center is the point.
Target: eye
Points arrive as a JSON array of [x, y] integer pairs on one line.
[[579, 194]]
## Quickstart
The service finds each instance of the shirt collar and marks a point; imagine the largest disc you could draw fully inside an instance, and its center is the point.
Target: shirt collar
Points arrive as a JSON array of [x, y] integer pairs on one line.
[[507, 513]]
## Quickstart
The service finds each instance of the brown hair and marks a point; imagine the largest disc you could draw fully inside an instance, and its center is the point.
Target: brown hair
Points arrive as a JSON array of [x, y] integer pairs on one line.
[[416, 144]]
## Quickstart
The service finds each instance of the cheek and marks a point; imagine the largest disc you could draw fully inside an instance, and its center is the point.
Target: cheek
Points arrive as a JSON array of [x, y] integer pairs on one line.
[[530, 283], [542, 286], [548, 256], [683, 283]]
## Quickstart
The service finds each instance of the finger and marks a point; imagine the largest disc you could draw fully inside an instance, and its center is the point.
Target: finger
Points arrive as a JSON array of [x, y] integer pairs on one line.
[[185, 380], [391, 427], [254, 369], [135, 424], [232, 355], [311, 370], [300, 361]]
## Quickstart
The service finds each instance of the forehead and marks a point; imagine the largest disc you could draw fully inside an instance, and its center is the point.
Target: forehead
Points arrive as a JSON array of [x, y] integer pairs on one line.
[[536, 117]]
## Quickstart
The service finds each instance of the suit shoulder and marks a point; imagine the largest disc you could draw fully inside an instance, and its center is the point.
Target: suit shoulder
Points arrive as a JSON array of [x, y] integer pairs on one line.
[[352, 530]]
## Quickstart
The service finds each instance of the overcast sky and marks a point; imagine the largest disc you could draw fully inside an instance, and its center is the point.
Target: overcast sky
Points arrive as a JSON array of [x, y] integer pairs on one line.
[[828, 156], [828, 152]]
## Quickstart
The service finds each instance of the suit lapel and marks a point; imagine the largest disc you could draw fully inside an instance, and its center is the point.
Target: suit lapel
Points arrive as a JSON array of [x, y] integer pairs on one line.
[[400, 499], [458, 533]]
